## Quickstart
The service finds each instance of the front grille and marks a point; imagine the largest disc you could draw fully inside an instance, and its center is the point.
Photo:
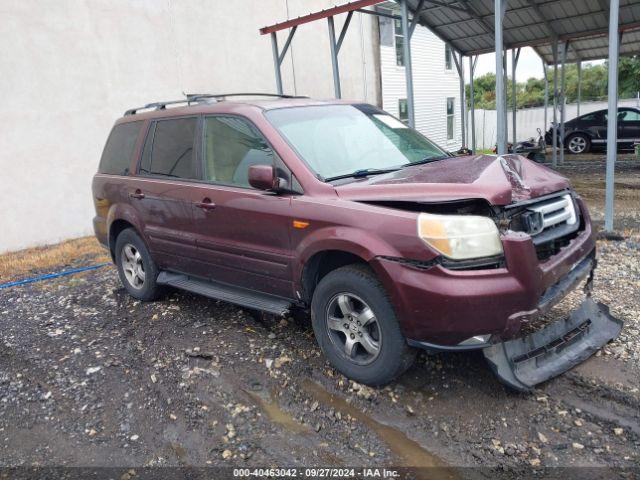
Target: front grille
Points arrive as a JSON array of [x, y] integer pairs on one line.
[[552, 222], [555, 212]]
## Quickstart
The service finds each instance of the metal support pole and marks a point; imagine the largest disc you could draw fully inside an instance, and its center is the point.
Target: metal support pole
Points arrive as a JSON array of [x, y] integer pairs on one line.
[[515, 56], [563, 99], [463, 105], [276, 62], [554, 144], [546, 96], [472, 69], [612, 119], [407, 61], [334, 58], [506, 95], [335, 46], [501, 101], [579, 65]]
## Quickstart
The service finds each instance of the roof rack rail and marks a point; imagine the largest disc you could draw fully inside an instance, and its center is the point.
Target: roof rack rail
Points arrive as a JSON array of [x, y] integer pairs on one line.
[[198, 96], [205, 97]]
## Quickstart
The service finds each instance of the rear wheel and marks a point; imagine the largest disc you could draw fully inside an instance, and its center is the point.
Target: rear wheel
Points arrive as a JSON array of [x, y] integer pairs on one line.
[[578, 143], [136, 268], [356, 327]]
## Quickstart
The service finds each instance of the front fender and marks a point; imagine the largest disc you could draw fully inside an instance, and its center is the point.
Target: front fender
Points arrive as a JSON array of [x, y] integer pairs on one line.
[[364, 244]]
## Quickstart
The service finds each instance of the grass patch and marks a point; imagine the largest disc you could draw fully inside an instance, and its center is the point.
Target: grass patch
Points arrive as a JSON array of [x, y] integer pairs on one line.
[[72, 253]]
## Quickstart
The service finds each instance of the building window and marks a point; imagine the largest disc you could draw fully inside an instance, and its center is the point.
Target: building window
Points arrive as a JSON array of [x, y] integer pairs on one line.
[[399, 40], [403, 110], [451, 104], [448, 57]]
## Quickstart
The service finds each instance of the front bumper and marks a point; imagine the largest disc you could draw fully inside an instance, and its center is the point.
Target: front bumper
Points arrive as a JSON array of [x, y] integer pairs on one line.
[[525, 362], [442, 307]]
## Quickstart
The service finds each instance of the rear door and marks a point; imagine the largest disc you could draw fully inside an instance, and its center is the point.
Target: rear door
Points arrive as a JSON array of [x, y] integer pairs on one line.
[[162, 192], [242, 234]]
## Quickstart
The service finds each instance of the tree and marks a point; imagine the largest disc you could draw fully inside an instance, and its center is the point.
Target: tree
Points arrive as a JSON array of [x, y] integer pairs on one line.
[[531, 93]]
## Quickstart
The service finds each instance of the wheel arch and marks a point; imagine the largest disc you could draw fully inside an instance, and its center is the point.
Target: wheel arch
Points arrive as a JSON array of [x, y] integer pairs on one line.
[[322, 263], [324, 251], [120, 218], [573, 133]]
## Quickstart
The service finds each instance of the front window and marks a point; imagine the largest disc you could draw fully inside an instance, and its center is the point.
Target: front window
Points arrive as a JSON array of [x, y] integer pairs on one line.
[[231, 146], [337, 140], [451, 102]]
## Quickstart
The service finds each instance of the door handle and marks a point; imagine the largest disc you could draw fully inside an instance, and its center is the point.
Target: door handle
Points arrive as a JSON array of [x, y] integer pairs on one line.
[[137, 194], [206, 204]]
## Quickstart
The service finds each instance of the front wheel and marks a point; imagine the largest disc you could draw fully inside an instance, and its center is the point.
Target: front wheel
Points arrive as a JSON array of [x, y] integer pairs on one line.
[[356, 327], [578, 143]]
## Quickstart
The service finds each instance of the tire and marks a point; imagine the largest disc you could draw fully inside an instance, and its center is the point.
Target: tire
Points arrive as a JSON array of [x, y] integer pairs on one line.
[[136, 269], [578, 143], [355, 288]]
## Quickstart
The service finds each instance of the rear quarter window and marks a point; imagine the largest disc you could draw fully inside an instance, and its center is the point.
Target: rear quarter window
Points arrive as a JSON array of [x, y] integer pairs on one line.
[[116, 157]]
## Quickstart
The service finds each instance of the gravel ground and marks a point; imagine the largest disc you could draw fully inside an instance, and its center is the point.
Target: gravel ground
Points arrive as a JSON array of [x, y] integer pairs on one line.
[[91, 377]]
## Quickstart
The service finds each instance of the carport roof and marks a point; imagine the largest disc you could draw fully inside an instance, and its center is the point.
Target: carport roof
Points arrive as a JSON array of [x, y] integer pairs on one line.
[[468, 25]]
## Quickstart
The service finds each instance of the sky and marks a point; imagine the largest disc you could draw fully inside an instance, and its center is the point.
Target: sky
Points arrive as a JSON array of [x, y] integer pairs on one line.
[[529, 65]]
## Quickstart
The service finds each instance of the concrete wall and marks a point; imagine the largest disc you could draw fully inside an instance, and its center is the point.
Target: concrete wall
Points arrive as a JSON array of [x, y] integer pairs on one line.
[[71, 67]]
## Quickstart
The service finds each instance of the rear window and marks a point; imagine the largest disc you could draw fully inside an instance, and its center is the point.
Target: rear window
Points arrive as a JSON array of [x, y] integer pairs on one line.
[[116, 157], [169, 149]]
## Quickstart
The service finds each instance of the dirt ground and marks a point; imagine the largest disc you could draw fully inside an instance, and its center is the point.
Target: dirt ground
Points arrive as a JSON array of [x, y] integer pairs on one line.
[[91, 377]]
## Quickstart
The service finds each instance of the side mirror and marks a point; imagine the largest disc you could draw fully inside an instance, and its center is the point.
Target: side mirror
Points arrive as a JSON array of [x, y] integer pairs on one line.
[[264, 177]]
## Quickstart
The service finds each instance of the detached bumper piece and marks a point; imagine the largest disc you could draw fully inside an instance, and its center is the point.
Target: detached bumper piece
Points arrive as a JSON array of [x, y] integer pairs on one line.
[[525, 362]]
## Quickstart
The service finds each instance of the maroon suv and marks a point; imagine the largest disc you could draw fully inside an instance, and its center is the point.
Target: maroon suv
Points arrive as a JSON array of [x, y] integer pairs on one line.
[[339, 207]]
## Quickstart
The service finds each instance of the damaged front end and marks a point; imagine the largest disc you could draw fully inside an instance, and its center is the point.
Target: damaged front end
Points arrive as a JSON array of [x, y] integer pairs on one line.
[[549, 253], [547, 352]]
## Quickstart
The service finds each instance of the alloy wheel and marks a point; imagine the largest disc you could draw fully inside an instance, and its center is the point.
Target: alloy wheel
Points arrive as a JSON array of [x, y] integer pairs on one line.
[[353, 328], [133, 266], [577, 144]]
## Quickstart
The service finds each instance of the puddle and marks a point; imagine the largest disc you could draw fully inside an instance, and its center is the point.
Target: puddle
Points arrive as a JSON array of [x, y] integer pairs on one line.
[[180, 451], [276, 415], [408, 452]]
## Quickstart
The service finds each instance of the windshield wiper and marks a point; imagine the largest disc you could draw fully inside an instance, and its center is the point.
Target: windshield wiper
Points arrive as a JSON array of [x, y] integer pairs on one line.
[[427, 160], [364, 172]]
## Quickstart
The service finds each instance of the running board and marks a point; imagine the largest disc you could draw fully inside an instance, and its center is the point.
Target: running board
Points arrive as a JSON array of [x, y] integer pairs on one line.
[[227, 293], [525, 362]]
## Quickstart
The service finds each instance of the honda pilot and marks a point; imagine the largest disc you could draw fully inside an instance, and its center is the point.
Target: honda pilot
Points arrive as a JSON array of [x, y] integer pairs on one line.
[[274, 203]]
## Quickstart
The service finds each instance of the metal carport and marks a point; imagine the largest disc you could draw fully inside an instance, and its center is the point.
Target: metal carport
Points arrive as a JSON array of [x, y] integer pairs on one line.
[[559, 30]]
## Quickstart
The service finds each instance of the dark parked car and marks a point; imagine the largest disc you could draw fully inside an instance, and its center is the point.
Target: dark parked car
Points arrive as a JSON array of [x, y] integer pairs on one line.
[[589, 132], [342, 209]]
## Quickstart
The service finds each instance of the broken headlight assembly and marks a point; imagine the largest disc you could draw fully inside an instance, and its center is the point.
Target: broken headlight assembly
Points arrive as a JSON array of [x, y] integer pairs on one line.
[[460, 237]]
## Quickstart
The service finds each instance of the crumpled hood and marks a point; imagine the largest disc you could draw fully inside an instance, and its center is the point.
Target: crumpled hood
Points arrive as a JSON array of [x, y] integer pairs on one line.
[[500, 180]]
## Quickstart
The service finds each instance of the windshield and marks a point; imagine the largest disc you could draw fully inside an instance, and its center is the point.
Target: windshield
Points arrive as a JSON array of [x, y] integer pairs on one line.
[[336, 140]]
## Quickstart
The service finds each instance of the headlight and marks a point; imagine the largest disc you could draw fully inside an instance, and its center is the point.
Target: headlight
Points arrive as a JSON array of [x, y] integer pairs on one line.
[[460, 237]]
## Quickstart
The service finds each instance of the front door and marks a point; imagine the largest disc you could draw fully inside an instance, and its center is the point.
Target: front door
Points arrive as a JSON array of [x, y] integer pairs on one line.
[[243, 234], [629, 121]]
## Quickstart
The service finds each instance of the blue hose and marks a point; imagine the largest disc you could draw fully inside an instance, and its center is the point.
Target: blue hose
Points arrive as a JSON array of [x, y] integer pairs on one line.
[[49, 276]]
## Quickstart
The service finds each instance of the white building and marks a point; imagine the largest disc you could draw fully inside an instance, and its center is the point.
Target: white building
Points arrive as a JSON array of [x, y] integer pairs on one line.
[[71, 67], [436, 84]]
